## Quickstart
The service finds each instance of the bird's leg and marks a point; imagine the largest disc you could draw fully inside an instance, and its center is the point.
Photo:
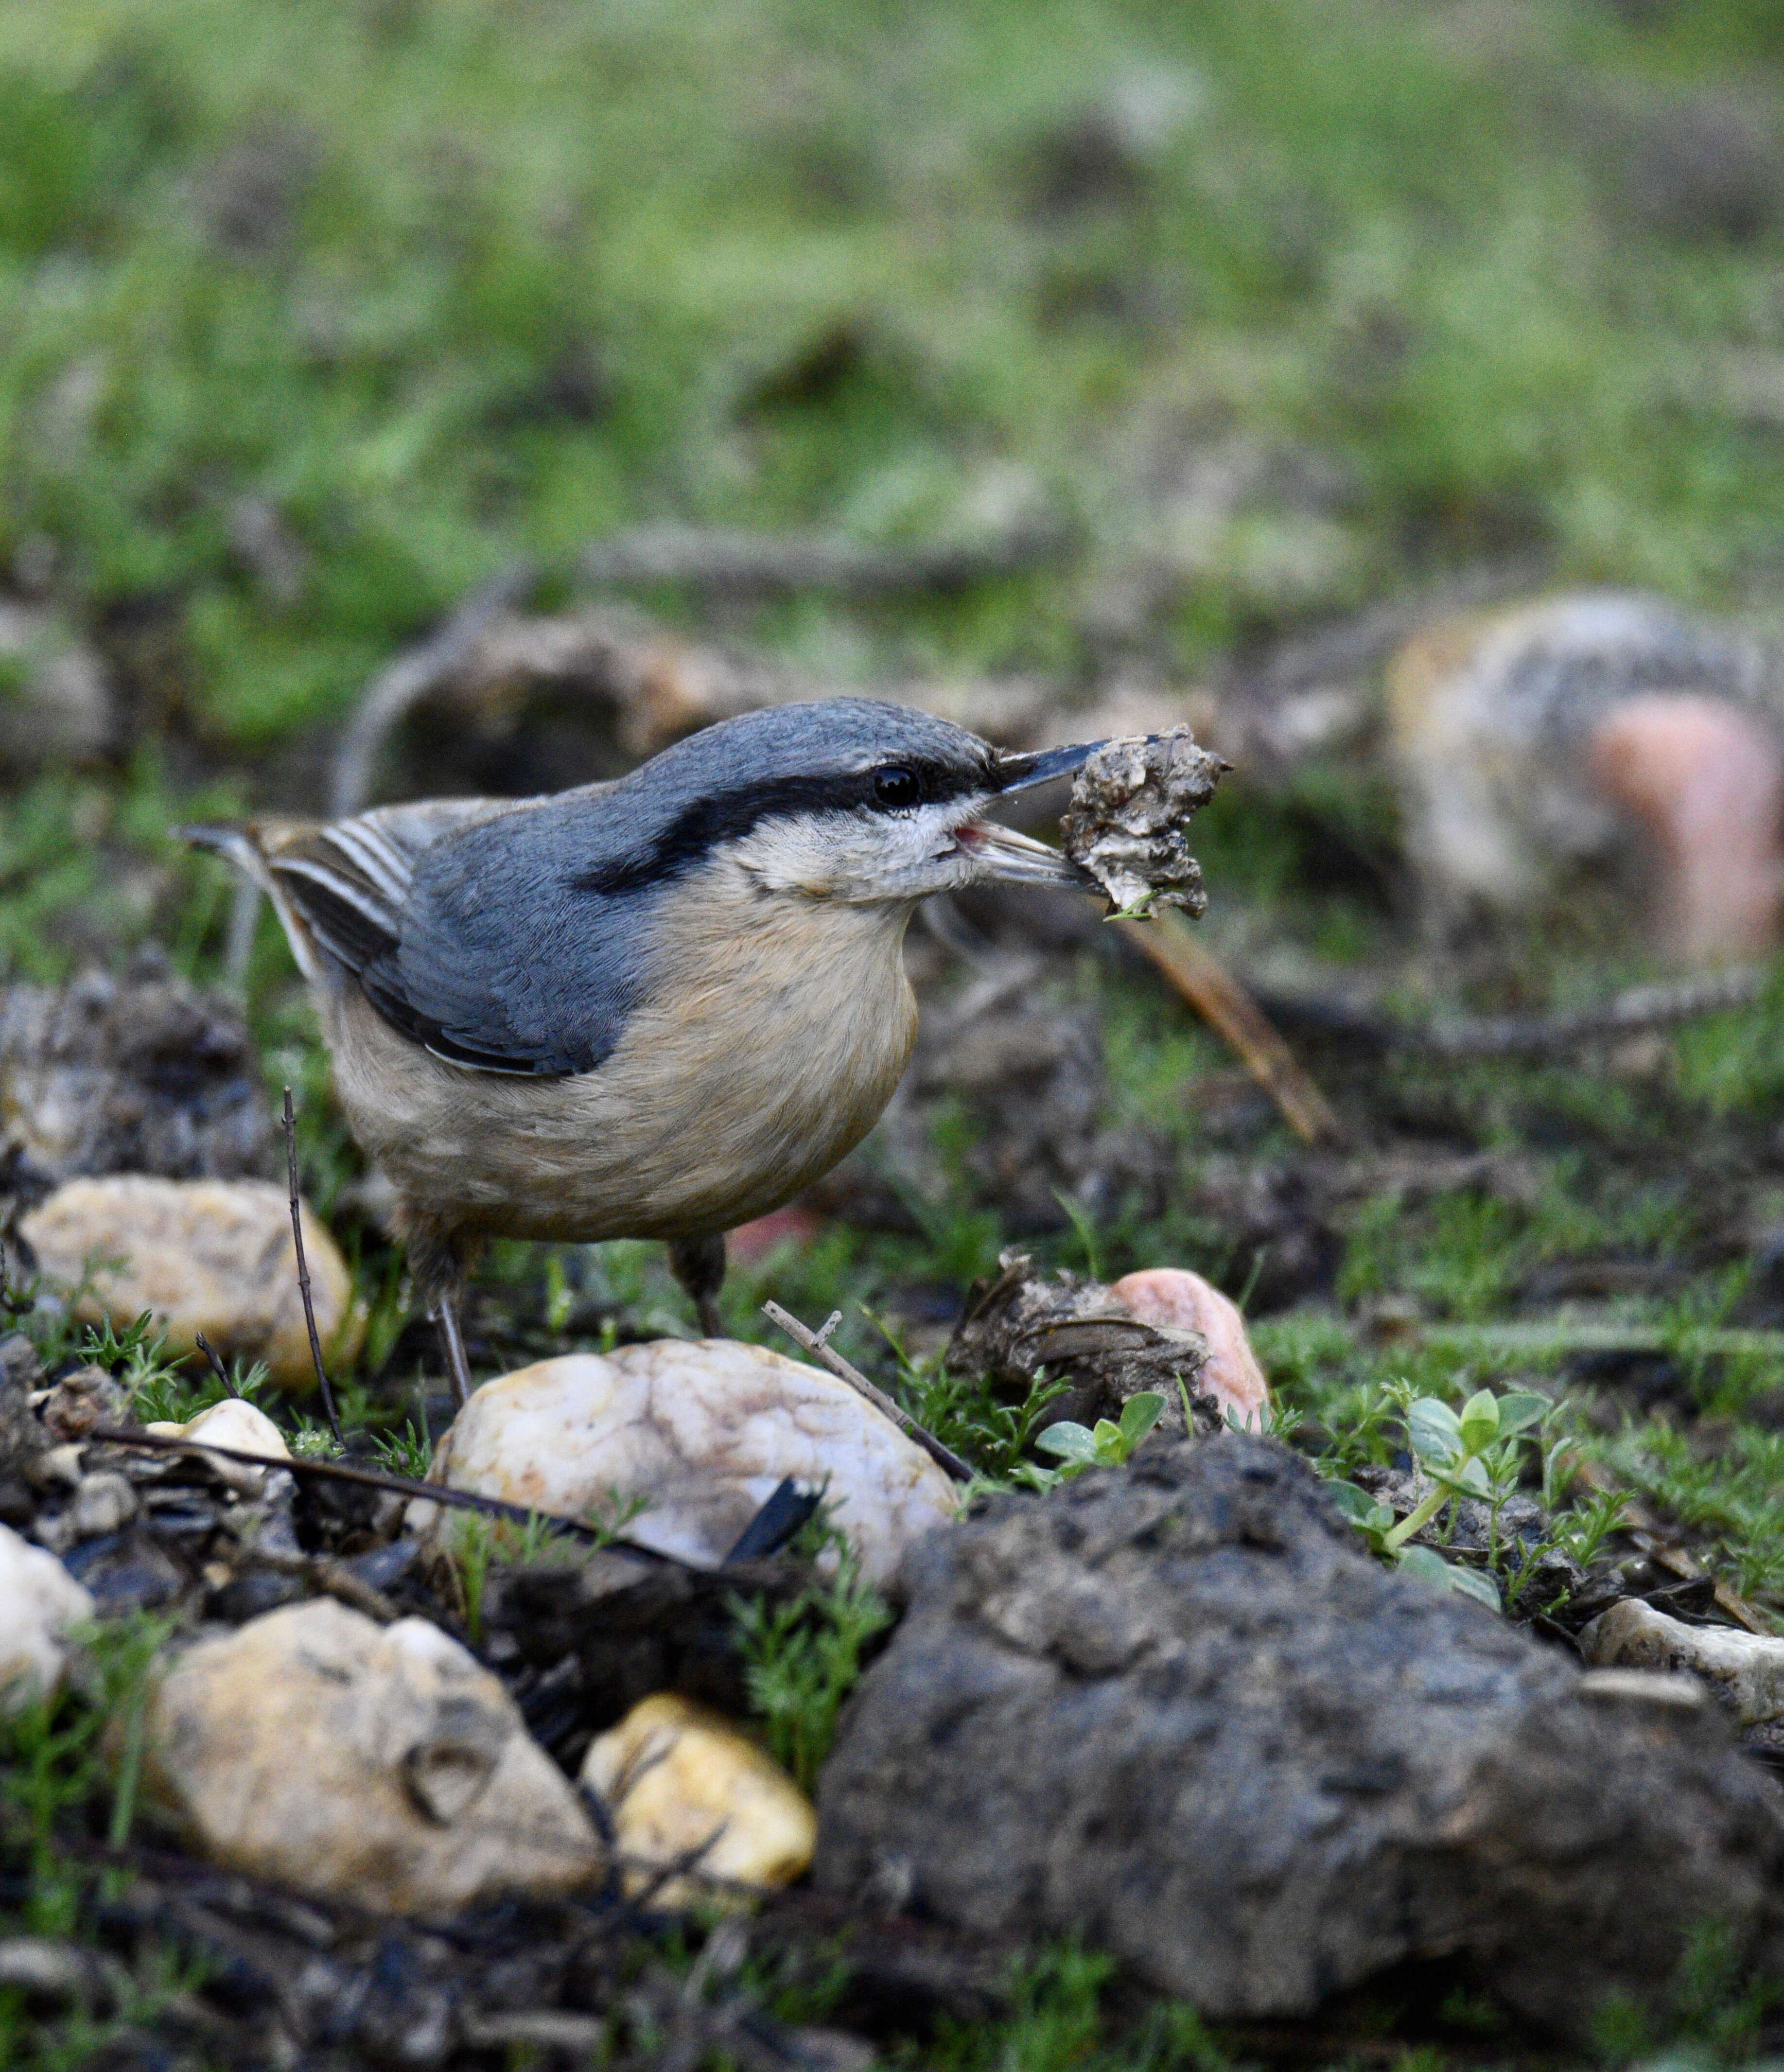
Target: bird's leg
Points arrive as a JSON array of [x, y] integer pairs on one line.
[[452, 1341], [698, 1264], [439, 1262]]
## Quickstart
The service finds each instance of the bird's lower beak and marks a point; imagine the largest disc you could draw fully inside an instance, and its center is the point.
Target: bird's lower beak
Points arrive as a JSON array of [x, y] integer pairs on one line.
[[1017, 859]]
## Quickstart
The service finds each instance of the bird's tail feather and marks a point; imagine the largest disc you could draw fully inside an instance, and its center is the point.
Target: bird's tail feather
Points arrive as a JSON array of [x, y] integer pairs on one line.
[[234, 843], [245, 847]]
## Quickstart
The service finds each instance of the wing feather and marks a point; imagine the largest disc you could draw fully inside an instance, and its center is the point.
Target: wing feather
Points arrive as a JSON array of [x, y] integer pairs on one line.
[[446, 914]]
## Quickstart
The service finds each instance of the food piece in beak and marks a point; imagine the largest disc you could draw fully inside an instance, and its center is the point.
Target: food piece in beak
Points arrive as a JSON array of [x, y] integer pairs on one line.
[[1130, 804], [1017, 859]]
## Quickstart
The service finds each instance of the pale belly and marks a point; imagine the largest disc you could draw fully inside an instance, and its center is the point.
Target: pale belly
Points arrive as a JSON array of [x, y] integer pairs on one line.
[[708, 1113]]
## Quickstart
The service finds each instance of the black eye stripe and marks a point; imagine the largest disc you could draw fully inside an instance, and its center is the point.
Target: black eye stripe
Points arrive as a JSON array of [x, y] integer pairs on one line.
[[686, 841]]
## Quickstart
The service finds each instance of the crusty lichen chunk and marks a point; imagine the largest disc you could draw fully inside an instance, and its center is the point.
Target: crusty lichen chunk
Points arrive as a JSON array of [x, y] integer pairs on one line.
[[1126, 823]]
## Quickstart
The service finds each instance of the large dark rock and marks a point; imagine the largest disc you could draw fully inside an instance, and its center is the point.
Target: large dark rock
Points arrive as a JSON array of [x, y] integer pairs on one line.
[[1176, 1708]]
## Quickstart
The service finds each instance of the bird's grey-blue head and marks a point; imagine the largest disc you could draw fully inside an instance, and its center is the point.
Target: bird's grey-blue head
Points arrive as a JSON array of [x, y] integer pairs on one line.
[[846, 800]]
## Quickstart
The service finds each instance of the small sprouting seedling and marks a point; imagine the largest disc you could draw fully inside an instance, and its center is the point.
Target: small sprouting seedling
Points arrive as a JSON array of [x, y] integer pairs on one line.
[[479, 1540], [1474, 1453], [311, 1440], [1109, 1444], [169, 1394], [1085, 1231], [404, 1452], [1587, 1528], [803, 1659], [963, 1413], [135, 1358]]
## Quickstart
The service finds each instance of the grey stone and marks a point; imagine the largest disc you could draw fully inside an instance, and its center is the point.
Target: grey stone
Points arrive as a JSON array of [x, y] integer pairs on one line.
[[1178, 1709]]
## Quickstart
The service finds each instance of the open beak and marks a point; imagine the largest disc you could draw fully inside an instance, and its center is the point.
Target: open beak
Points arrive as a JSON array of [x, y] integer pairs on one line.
[[1017, 859], [1022, 773]]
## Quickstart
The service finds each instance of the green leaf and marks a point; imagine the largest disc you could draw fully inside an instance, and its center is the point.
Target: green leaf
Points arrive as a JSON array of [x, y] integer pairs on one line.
[[1521, 1409], [1355, 1503], [1479, 1424], [1474, 1583], [1107, 1438], [1433, 1430], [1474, 1477], [1427, 1564], [1430, 1567], [1140, 1413], [1070, 1441]]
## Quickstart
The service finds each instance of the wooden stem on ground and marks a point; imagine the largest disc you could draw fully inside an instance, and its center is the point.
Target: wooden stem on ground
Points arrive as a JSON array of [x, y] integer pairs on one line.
[[303, 1272], [452, 1499], [217, 1367], [1168, 942], [817, 1344]]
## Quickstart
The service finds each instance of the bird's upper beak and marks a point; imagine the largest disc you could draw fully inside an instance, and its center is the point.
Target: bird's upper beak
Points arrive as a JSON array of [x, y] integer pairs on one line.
[[1015, 858], [1022, 773]]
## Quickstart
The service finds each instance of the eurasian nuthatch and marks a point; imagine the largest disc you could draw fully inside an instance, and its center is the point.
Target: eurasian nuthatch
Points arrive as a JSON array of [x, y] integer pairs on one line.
[[655, 1008]]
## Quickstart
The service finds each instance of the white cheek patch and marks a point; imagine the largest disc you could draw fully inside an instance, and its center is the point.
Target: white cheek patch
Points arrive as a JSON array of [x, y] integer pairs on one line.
[[853, 856]]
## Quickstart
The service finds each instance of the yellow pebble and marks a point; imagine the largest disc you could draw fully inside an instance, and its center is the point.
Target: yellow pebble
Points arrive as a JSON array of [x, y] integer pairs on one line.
[[676, 1778]]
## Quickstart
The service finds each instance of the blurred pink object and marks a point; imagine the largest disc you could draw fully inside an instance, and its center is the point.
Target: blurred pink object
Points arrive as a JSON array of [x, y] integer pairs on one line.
[[750, 1242], [1705, 779], [1173, 1298]]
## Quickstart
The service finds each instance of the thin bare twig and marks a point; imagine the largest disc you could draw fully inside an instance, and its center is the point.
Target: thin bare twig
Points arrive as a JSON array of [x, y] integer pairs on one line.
[[777, 563], [816, 1344], [217, 1367], [1168, 942], [303, 1272], [1633, 1013], [333, 1578], [452, 1499], [1638, 1012]]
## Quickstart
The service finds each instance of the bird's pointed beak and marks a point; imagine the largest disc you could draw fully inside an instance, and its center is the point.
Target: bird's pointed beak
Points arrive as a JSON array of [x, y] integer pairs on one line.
[[1023, 772], [1017, 859]]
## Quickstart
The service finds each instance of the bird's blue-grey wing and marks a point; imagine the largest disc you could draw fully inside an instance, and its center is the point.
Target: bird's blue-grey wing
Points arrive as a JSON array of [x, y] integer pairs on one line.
[[463, 926]]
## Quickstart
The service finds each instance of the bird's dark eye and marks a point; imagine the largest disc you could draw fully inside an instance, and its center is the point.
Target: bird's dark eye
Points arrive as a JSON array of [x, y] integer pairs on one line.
[[896, 788]]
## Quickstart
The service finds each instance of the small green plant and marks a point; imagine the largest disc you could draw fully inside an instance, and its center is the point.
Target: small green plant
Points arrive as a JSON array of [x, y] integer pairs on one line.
[[1107, 1443], [802, 1658], [1710, 2015], [1475, 1453], [479, 1540], [84, 1749], [180, 1393], [408, 1451], [1060, 2021], [962, 1411]]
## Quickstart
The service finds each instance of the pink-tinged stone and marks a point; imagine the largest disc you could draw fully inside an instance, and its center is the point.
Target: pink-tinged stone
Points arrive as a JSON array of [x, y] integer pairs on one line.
[[1172, 1298]]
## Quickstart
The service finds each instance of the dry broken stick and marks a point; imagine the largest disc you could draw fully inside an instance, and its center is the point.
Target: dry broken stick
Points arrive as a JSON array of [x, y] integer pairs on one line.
[[406, 682], [376, 1479], [765, 564], [216, 1360], [1230, 1010], [1126, 827], [817, 1344]]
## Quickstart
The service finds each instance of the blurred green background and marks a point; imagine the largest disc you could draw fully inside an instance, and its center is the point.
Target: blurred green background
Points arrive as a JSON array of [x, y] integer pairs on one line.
[[313, 314]]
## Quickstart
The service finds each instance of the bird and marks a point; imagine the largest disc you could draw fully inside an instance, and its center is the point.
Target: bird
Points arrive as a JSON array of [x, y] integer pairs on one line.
[[654, 1007]]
